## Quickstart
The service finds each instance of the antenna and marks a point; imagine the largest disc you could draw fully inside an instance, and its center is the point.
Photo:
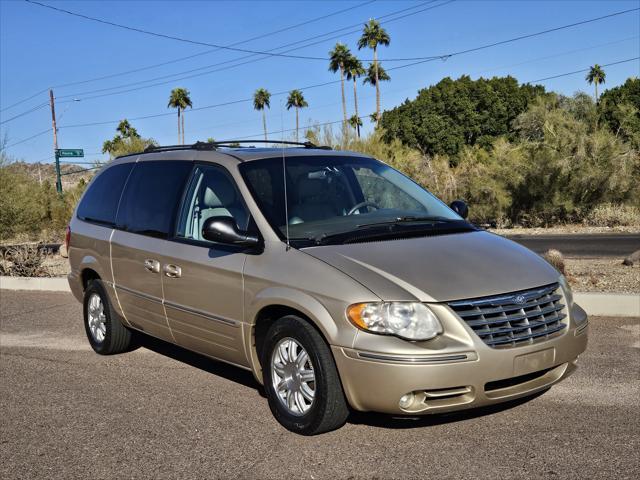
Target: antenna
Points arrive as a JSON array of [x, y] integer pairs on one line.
[[284, 177]]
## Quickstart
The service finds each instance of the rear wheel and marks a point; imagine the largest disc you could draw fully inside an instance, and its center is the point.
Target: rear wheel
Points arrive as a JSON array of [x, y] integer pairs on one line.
[[300, 378], [106, 333]]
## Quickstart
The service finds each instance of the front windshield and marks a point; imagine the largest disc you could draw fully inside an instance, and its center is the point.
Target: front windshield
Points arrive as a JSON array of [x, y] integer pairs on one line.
[[327, 195]]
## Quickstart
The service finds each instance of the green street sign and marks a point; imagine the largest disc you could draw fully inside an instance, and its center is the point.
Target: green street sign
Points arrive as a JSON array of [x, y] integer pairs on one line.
[[70, 152]]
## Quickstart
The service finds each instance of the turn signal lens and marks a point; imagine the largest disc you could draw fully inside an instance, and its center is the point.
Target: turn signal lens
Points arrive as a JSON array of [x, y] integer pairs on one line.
[[408, 320]]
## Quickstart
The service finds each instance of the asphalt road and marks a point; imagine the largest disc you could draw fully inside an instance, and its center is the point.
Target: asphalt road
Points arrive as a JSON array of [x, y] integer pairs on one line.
[[591, 245], [160, 412]]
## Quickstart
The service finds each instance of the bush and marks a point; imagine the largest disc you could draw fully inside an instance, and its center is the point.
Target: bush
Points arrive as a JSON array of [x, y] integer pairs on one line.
[[610, 215], [23, 261]]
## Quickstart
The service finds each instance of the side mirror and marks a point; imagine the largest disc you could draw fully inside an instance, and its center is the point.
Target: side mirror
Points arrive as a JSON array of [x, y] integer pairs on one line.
[[460, 207], [224, 230]]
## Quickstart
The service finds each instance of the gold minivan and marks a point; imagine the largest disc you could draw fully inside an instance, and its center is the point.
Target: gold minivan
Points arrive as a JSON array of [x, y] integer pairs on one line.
[[338, 281]]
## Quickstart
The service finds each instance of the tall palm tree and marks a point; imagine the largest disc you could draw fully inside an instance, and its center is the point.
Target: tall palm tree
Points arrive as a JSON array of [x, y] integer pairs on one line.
[[261, 100], [372, 36], [338, 58], [354, 70], [296, 100], [180, 100], [596, 76]]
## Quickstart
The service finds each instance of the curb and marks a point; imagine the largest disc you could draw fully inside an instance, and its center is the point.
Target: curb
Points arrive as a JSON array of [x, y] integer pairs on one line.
[[609, 304], [40, 284], [598, 304]]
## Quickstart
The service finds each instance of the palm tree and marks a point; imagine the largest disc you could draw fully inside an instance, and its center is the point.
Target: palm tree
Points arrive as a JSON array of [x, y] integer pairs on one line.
[[296, 100], [356, 122], [372, 36], [179, 99], [596, 76], [126, 130], [261, 99], [354, 70], [375, 75], [338, 58]]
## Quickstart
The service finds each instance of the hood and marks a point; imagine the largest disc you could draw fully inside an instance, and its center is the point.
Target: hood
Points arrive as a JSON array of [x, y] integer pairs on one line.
[[439, 268]]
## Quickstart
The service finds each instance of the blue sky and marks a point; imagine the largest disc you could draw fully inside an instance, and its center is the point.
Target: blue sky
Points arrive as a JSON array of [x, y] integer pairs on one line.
[[40, 48]]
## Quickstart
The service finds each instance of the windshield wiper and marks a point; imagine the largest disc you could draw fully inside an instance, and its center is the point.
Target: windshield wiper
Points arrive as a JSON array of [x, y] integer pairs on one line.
[[392, 228], [409, 219]]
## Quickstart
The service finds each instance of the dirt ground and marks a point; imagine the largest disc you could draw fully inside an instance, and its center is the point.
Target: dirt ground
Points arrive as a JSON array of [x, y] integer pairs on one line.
[[585, 274], [564, 230]]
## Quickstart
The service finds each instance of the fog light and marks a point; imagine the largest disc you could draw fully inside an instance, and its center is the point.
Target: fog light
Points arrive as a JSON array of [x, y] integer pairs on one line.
[[406, 400]]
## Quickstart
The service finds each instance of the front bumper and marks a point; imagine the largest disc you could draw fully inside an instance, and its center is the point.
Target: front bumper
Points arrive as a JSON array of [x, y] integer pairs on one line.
[[464, 373]]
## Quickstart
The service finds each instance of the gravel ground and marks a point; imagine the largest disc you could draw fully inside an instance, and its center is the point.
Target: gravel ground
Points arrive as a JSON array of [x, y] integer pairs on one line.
[[564, 230], [161, 412]]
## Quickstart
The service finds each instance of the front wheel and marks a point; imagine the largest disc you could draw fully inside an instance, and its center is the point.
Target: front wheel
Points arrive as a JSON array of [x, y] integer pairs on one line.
[[300, 378]]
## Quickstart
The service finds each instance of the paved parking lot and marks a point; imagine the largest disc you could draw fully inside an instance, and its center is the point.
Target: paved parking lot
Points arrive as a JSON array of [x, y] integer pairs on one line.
[[161, 412]]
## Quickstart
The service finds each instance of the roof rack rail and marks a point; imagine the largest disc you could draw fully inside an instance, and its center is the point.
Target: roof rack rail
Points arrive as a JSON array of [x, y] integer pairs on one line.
[[228, 143]]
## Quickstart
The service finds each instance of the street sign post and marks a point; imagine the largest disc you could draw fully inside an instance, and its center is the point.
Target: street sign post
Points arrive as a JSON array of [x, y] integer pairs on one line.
[[65, 153]]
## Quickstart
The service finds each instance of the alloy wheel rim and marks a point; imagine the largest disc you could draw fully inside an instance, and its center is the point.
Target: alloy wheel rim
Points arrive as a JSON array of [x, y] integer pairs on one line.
[[96, 319], [293, 376]]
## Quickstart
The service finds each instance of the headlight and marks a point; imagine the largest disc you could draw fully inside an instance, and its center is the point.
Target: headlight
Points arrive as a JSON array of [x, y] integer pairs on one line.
[[568, 294], [411, 321]]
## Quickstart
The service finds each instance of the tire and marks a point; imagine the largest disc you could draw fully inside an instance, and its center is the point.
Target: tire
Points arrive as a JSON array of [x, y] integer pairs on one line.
[[113, 337], [328, 409]]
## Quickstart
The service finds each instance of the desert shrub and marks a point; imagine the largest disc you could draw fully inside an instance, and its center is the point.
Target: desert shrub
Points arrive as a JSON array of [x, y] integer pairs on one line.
[[23, 261], [611, 215]]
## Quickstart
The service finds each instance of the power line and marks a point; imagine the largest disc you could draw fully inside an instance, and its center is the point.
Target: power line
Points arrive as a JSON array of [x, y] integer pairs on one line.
[[197, 42], [309, 87], [257, 37], [28, 138], [583, 70], [344, 31], [38, 107]]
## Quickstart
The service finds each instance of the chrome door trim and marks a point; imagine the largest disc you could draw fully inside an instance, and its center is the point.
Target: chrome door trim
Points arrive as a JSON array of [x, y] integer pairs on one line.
[[200, 313], [139, 294]]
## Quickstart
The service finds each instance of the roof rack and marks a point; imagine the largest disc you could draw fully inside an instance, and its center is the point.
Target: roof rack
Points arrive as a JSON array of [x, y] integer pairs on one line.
[[228, 143]]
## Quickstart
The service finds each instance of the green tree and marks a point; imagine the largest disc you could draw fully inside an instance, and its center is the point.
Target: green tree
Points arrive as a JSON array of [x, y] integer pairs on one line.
[[126, 141], [338, 58], [261, 100], [353, 71], [374, 76], [180, 100], [596, 76], [453, 113], [372, 36], [296, 100], [620, 110]]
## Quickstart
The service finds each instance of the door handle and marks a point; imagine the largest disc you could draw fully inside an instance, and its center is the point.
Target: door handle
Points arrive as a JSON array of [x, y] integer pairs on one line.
[[152, 266], [172, 271]]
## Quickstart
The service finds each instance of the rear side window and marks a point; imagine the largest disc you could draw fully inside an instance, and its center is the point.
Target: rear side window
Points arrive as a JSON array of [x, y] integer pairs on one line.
[[152, 196], [100, 203]]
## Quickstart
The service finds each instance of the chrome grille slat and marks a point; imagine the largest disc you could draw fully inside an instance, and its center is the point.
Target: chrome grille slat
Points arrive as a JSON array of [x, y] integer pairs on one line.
[[505, 308], [514, 319]]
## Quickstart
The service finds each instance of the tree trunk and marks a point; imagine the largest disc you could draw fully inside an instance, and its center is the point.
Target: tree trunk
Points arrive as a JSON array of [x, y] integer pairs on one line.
[[264, 123], [182, 128], [375, 64], [178, 124], [297, 123], [344, 101], [355, 101], [596, 84]]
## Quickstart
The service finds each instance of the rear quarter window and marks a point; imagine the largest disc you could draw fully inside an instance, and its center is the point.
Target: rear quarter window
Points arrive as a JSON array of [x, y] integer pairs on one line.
[[151, 197], [100, 203]]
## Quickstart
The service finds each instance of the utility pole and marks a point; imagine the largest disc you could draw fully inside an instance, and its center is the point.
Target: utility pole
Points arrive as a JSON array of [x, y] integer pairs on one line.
[[55, 142]]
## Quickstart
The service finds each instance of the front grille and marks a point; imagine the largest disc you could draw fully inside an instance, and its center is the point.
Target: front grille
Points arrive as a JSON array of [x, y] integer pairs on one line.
[[518, 318]]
